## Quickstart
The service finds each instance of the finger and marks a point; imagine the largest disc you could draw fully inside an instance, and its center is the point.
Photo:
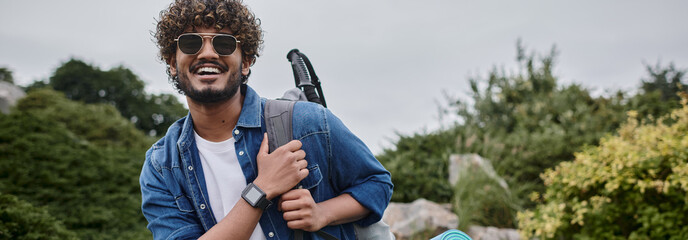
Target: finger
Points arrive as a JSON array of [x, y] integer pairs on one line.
[[293, 145], [264, 148], [300, 154], [297, 224], [301, 164], [293, 205], [293, 215], [279, 204], [303, 173]]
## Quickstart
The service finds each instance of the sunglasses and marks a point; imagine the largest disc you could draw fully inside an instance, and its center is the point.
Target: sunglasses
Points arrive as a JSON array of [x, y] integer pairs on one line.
[[191, 43]]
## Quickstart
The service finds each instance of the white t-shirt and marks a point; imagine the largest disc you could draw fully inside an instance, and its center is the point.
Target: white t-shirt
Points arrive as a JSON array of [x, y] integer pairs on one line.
[[223, 177]]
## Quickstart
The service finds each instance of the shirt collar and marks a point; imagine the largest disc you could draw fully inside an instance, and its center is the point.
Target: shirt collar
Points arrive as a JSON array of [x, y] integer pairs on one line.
[[251, 111], [248, 118]]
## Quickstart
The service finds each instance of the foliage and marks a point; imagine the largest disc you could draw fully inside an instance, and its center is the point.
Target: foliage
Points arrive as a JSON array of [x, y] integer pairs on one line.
[[632, 186], [22, 221], [418, 167], [659, 92], [479, 199], [80, 161], [120, 87], [6, 75], [524, 122]]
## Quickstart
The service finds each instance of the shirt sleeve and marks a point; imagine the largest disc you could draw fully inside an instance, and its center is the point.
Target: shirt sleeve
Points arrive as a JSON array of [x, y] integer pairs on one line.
[[169, 217], [357, 172]]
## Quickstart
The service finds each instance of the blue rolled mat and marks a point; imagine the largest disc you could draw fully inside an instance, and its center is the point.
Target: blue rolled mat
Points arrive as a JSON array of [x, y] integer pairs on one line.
[[452, 235]]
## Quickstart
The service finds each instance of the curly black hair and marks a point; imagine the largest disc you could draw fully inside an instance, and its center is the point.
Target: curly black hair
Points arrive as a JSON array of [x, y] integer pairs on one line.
[[217, 14]]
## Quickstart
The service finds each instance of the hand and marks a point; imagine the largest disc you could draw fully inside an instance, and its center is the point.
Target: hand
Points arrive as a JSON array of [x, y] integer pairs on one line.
[[301, 211], [281, 170]]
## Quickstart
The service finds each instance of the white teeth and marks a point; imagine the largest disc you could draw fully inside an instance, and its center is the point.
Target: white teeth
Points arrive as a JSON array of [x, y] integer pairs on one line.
[[208, 70]]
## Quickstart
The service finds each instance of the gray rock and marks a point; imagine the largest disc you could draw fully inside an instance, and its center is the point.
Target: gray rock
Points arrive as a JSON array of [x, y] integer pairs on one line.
[[406, 219], [492, 233], [9, 94], [459, 162]]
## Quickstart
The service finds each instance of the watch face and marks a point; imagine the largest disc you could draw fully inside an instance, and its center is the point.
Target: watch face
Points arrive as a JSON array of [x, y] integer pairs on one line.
[[253, 195]]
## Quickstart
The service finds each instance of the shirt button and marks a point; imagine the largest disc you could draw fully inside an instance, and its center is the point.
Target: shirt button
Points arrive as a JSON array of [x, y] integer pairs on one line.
[[241, 153], [190, 168], [202, 206], [271, 234], [236, 132]]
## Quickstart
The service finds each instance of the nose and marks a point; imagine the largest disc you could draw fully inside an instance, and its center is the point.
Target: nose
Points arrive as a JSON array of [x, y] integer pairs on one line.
[[207, 51]]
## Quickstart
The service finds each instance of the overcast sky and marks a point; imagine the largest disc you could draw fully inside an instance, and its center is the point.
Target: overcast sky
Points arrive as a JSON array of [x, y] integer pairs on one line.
[[384, 64]]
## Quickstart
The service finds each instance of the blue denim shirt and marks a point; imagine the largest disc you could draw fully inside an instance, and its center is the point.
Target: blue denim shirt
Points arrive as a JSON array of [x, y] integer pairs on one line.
[[175, 197]]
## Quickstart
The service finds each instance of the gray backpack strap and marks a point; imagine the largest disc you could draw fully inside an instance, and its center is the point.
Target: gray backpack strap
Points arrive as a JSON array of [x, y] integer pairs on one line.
[[294, 94], [278, 124], [278, 117]]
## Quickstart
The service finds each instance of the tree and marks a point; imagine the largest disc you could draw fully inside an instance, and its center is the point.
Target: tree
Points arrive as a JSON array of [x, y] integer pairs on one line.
[[121, 88], [659, 92], [6, 75], [79, 161]]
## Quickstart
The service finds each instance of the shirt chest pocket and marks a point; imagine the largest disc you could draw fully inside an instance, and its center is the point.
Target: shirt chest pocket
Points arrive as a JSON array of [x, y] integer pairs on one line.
[[313, 179]]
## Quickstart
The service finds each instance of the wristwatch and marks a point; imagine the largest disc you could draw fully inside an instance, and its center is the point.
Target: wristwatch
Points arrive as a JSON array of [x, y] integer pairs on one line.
[[255, 197]]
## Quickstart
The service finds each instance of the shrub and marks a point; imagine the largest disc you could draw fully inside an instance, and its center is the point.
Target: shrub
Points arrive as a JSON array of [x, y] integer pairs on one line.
[[78, 161], [419, 166], [480, 200], [22, 221], [634, 185]]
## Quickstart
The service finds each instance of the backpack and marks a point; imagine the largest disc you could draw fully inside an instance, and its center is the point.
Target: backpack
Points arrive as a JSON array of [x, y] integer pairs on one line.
[[278, 115]]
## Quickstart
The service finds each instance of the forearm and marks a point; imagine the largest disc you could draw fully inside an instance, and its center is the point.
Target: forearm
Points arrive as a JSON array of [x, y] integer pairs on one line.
[[241, 220], [238, 224], [343, 209]]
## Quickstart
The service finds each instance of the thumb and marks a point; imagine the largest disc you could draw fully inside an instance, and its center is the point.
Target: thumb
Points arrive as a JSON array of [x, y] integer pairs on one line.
[[264, 148]]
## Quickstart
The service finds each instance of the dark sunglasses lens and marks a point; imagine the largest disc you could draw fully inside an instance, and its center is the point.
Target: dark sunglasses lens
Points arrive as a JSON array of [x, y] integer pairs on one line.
[[224, 45], [190, 44]]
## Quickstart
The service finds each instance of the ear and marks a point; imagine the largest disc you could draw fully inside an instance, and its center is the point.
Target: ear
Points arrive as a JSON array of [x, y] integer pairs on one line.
[[173, 65], [246, 65]]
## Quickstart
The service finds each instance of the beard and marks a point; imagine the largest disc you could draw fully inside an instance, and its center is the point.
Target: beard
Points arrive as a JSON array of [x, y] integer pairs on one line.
[[208, 95]]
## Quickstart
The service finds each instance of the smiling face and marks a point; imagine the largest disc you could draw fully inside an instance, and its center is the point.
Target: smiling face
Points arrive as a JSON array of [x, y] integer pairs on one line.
[[207, 77]]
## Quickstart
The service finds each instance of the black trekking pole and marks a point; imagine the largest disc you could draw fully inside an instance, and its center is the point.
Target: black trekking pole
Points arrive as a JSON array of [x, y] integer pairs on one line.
[[305, 78], [309, 83]]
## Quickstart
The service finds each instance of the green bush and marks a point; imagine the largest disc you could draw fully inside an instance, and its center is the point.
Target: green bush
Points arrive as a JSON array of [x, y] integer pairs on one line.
[[22, 221], [632, 186], [79, 161], [480, 200], [419, 166]]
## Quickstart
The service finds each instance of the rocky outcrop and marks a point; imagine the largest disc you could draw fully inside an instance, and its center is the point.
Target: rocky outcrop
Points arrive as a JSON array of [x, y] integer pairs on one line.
[[407, 219], [459, 162], [492, 233], [426, 217], [9, 94]]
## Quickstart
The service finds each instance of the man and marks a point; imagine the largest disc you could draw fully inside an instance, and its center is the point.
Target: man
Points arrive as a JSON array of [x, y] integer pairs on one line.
[[212, 176]]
